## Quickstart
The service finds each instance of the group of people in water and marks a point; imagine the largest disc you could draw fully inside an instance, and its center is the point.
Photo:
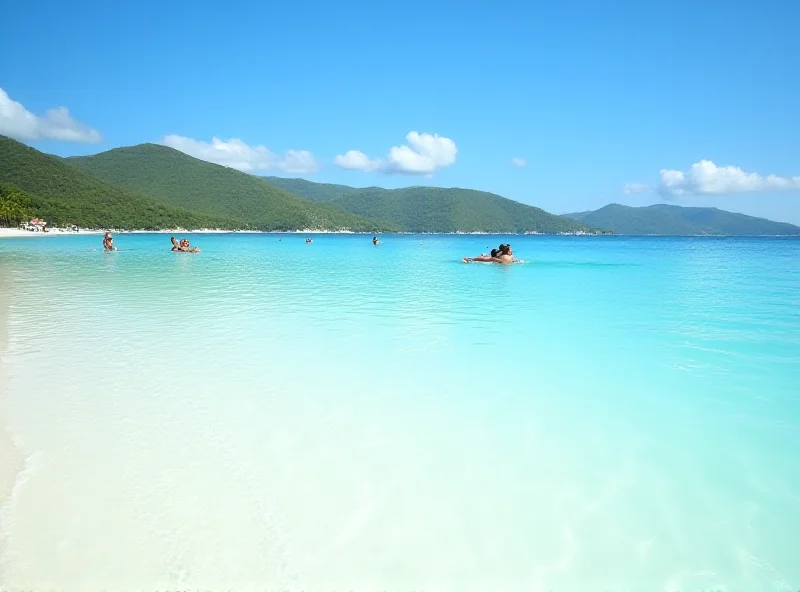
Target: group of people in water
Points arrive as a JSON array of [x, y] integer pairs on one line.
[[502, 254], [183, 246]]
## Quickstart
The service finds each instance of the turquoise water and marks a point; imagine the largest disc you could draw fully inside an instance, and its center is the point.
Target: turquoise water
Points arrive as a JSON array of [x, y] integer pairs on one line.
[[617, 414]]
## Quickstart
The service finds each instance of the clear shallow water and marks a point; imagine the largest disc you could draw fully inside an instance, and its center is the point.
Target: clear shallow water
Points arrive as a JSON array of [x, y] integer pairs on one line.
[[616, 414]]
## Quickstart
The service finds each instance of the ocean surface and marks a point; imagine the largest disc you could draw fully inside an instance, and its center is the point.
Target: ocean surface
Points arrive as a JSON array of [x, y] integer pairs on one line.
[[616, 414]]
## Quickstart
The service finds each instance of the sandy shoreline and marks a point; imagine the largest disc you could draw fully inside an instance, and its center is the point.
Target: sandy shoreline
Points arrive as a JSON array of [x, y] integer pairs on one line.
[[10, 468], [12, 459], [17, 233]]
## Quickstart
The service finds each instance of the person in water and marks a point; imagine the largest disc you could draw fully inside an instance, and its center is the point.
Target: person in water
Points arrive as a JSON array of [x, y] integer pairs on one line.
[[375, 240], [494, 253], [503, 254], [188, 248], [183, 246], [108, 242]]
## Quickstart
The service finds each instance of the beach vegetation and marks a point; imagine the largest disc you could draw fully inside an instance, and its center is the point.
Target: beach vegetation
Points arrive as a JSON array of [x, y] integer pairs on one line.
[[16, 206]]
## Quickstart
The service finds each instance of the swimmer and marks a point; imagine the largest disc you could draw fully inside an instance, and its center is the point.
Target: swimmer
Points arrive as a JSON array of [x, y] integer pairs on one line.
[[375, 240], [309, 241], [175, 245], [484, 258], [184, 246], [503, 254], [108, 242]]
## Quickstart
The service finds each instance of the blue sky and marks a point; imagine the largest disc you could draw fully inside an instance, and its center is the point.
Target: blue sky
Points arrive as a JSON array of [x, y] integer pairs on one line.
[[591, 95]]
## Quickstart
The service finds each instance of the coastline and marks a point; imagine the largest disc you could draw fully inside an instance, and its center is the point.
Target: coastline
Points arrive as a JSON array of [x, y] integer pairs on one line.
[[17, 233]]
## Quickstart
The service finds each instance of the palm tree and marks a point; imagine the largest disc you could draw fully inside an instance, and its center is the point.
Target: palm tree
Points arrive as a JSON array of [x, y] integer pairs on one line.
[[11, 213]]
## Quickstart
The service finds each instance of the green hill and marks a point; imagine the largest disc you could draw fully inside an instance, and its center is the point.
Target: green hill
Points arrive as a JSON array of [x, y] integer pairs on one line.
[[46, 187], [433, 209], [664, 219], [173, 177], [318, 192]]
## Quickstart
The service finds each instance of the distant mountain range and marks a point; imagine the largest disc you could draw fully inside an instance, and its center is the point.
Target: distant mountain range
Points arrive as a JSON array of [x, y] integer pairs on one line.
[[433, 209], [172, 177], [152, 187], [663, 219]]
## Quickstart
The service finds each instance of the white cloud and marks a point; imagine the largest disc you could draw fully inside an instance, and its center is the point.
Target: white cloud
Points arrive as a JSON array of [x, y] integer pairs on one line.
[[423, 155], [520, 162], [706, 178], [56, 124], [236, 154], [355, 160]]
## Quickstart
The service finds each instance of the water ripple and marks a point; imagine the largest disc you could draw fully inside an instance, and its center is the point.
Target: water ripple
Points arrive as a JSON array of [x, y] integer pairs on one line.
[[617, 413]]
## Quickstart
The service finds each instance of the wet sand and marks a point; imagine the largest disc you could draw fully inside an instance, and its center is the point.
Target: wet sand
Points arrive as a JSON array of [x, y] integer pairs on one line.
[[11, 455]]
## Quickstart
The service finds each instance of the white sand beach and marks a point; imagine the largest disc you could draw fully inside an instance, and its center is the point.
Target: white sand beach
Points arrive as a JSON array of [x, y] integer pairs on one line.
[[10, 468], [18, 232]]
